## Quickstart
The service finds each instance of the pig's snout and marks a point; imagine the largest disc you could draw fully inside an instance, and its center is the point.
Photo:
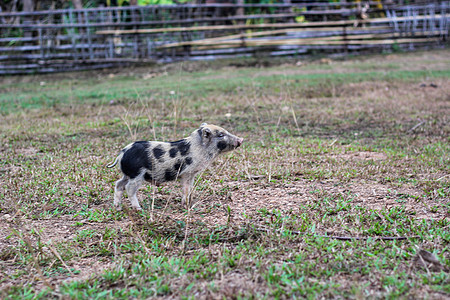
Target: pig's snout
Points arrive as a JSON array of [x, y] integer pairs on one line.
[[239, 142]]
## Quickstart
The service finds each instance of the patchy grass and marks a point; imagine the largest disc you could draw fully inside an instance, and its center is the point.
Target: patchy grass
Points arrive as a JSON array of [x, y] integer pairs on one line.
[[341, 188]]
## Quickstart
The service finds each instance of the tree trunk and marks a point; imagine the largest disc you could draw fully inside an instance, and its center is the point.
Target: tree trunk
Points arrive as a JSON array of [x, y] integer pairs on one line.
[[240, 10], [28, 5], [77, 4], [133, 2]]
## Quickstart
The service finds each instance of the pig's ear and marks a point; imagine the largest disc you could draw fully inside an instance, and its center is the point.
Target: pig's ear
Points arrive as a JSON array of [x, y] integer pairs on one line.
[[206, 134]]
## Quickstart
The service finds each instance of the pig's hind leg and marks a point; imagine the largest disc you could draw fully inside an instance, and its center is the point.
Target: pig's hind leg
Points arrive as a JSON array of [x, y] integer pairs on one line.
[[132, 187], [118, 191]]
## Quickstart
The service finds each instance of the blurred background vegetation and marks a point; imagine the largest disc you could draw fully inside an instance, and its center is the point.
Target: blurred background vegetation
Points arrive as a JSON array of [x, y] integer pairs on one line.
[[33, 5]]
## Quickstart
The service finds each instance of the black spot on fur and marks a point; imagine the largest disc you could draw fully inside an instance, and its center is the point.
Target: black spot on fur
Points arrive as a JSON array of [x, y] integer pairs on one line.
[[184, 149], [173, 152], [188, 160], [170, 175], [135, 159], [221, 145], [183, 146], [158, 152], [148, 177], [177, 142], [179, 166]]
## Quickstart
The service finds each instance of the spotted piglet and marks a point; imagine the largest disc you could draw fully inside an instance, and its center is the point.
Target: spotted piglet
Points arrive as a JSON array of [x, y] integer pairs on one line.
[[158, 162]]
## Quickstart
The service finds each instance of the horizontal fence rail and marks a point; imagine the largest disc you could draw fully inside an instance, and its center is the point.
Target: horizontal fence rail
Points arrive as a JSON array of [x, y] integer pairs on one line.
[[65, 40]]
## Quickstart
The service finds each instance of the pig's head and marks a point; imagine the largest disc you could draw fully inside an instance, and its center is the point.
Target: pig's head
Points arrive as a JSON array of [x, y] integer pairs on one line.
[[217, 140]]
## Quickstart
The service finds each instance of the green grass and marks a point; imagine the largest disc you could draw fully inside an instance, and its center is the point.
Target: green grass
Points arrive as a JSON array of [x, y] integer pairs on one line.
[[191, 85], [329, 150]]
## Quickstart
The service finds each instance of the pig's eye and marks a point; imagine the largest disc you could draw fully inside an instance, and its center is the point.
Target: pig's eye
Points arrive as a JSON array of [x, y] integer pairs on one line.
[[220, 134]]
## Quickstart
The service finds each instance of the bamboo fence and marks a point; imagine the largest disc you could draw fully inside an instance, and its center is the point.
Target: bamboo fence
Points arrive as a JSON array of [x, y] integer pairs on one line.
[[66, 40]]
